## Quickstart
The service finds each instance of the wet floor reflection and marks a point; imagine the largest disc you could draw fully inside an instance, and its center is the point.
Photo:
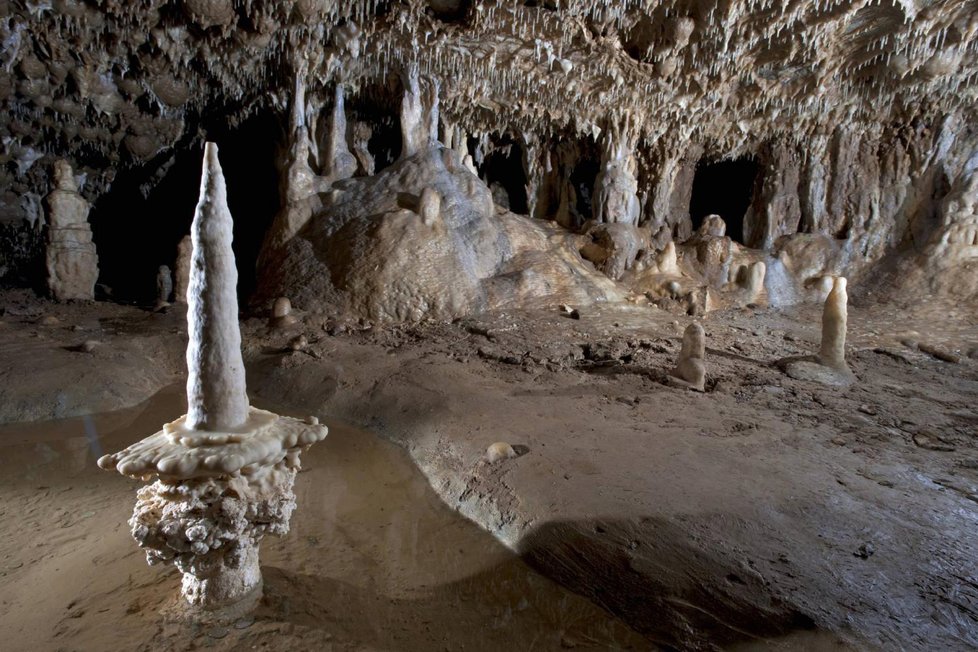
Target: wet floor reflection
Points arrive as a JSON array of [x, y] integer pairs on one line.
[[374, 559]]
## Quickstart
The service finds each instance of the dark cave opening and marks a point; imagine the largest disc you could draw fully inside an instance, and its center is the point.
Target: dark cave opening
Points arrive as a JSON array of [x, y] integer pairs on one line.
[[385, 142], [449, 11], [583, 177], [503, 168], [724, 188], [135, 234]]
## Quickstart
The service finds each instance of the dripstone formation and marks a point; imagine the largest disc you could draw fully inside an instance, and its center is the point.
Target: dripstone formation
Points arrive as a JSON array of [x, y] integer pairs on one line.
[[856, 117], [829, 366], [223, 472], [72, 262]]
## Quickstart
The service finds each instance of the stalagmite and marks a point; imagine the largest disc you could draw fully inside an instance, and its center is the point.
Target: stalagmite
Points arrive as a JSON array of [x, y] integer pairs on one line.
[[834, 319], [667, 260], [750, 278], [616, 188], [340, 163], [224, 470], [298, 182], [282, 313], [419, 112], [690, 370], [829, 366], [164, 287], [429, 206], [185, 251], [216, 379], [72, 262]]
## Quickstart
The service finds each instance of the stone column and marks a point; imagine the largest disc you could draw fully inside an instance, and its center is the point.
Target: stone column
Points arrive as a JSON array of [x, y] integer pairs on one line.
[[70, 258]]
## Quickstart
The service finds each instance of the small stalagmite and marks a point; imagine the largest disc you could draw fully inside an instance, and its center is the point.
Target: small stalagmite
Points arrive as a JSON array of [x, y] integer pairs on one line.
[[224, 472], [829, 366], [282, 313], [164, 287], [690, 371], [751, 281], [184, 252]]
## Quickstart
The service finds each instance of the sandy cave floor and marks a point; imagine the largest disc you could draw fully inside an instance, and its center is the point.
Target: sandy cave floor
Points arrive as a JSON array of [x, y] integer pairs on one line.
[[766, 512]]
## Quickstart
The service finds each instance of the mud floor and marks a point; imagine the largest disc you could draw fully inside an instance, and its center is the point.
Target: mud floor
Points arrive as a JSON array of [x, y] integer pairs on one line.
[[765, 513]]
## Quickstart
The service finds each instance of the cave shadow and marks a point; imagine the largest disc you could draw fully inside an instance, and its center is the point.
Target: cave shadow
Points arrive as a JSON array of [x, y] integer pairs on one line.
[[149, 208], [724, 188], [503, 169], [650, 571]]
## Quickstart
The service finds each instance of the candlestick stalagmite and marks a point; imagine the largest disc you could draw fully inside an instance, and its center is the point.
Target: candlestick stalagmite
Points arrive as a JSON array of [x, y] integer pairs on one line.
[[224, 471]]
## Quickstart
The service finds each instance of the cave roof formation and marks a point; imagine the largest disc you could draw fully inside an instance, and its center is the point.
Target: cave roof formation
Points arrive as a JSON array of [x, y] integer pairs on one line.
[[110, 83]]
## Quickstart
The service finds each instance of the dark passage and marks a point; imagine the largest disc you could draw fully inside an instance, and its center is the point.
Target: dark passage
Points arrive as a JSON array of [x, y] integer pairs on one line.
[[135, 234], [724, 188], [583, 177], [506, 171]]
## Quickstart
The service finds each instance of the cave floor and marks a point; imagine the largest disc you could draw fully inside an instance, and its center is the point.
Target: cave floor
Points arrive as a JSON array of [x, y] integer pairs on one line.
[[765, 513]]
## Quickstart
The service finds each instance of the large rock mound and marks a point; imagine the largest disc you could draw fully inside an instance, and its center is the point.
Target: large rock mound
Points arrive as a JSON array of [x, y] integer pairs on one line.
[[422, 239]]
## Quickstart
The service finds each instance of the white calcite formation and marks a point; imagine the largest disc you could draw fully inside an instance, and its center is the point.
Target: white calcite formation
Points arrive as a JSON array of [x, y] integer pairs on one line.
[[71, 259], [829, 366], [616, 188], [223, 472], [422, 239], [216, 377], [690, 370]]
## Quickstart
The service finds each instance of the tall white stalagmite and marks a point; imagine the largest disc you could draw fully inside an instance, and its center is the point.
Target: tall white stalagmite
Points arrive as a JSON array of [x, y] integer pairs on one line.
[[829, 366], [419, 112], [216, 494], [834, 324], [216, 395]]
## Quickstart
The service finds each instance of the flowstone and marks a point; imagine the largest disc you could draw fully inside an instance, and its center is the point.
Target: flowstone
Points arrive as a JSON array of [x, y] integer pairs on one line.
[[223, 472]]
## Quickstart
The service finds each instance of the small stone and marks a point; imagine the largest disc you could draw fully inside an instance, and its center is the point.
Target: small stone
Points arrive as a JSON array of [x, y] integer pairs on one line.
[[865, 551], [299, 342], [499, 451], [567, 311], [931, 441], [244, 623], [867, 409], [940, 353], [49, 320]]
